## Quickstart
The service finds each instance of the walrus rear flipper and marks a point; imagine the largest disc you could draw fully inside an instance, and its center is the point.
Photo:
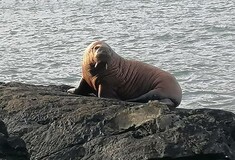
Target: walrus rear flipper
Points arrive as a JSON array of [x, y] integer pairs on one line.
[[82, 89], [153, 95]]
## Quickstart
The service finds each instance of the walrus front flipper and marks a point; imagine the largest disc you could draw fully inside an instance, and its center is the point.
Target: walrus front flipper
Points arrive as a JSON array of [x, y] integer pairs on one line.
[[82, 89], [153, 95]]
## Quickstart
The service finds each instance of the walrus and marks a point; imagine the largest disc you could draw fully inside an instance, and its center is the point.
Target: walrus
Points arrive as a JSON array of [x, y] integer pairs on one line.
[[108, 75]]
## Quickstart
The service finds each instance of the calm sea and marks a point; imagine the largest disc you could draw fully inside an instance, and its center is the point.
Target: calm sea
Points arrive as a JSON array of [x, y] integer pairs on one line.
[[42, 41]]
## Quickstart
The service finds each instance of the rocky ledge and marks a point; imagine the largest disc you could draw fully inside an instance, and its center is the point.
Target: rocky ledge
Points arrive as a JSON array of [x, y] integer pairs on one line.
[[54, 125]]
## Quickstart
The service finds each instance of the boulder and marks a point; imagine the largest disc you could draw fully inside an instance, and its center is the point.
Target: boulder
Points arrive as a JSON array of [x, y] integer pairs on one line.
[[57, 125]]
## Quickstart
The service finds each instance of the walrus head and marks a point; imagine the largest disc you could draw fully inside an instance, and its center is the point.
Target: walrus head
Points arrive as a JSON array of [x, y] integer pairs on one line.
[[98, 55]]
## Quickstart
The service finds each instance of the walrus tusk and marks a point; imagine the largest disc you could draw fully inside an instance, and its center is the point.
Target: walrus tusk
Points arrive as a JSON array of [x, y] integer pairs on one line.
[[106, 65], [96, 64]]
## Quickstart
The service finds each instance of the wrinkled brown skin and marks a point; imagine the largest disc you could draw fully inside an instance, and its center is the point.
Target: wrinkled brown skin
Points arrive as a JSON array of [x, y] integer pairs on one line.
[[123, 79]]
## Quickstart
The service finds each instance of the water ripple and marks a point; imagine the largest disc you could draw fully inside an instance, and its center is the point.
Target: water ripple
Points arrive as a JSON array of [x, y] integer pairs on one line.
[[42, 42]]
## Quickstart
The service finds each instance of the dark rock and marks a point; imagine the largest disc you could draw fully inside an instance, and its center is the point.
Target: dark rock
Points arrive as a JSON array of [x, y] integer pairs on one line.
[[56, 125], [3, 129], [11, 148]]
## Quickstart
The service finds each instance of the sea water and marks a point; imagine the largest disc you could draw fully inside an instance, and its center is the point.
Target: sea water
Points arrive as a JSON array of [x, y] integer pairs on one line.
[[42, 42]]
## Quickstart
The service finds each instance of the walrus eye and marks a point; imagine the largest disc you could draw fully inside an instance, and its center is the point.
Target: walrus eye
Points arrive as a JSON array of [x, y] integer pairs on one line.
[[96, 48]]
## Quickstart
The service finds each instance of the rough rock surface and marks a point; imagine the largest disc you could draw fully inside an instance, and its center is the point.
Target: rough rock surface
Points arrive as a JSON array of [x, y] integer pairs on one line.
[[55, 125]]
